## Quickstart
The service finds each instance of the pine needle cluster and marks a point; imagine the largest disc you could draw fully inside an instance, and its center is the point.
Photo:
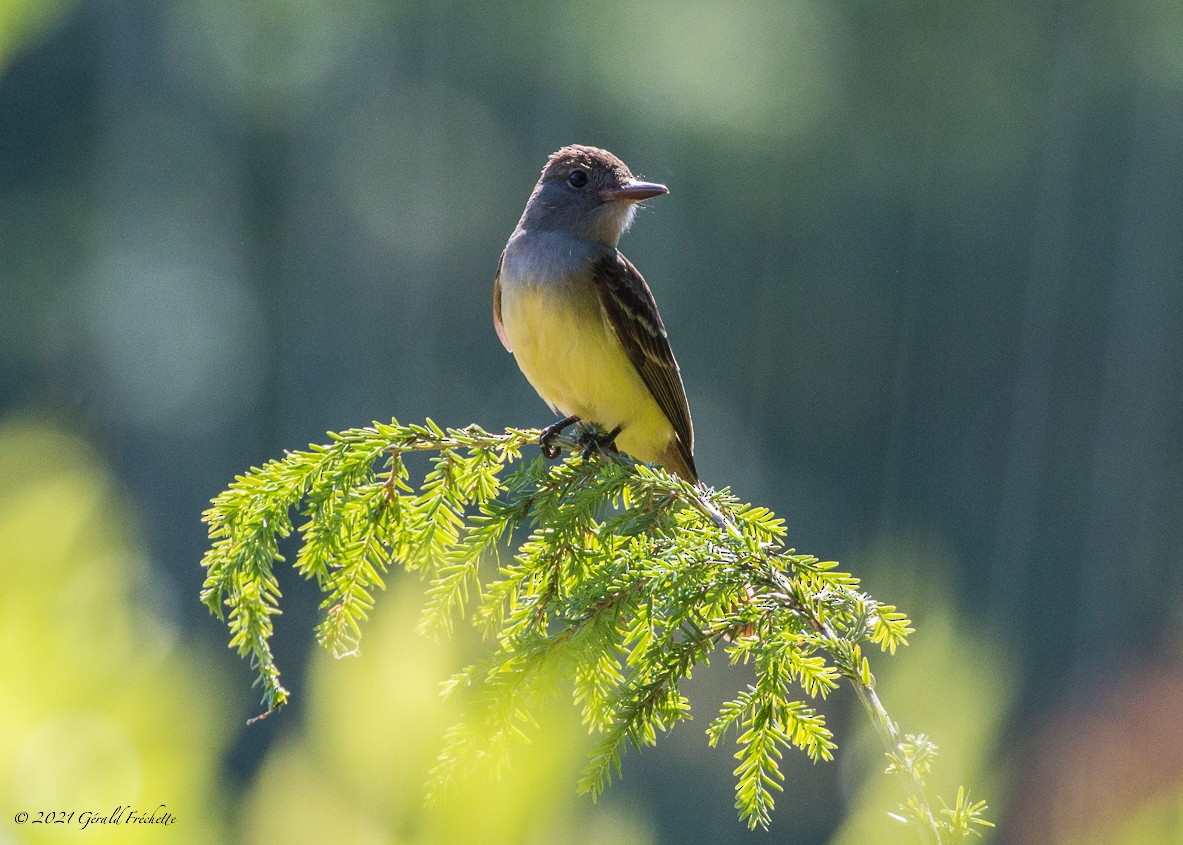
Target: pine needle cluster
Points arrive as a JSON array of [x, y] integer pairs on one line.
[[624, 578]]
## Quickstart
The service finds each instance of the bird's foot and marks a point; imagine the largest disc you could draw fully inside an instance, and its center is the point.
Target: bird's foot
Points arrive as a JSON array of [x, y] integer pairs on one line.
[[592, 441], [546, 440]]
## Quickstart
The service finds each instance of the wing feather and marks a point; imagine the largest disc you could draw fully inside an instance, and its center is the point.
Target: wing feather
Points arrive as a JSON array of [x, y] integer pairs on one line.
[[631, 311], [499, 326]]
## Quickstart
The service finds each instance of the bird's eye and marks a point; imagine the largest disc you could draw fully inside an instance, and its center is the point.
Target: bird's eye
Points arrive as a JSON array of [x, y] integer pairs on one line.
[[577, 179]]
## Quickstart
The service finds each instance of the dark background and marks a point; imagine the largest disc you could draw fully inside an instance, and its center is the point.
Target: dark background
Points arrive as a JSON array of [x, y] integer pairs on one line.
[[922, 266]]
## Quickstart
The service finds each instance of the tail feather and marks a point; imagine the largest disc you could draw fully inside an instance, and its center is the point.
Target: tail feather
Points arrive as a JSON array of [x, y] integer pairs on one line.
[[679, 460]]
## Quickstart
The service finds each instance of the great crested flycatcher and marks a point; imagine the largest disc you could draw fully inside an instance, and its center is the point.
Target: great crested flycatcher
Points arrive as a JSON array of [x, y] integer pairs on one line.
[[579, 318]]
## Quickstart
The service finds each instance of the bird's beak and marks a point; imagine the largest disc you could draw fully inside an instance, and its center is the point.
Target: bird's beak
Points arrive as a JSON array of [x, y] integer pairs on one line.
[[635, 191]]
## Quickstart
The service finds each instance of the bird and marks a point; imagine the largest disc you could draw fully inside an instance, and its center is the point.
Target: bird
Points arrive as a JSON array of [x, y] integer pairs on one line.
[[580, 319]]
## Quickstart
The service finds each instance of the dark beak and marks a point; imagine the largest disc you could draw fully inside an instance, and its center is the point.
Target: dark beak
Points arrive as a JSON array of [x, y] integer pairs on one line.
[[635, 191]]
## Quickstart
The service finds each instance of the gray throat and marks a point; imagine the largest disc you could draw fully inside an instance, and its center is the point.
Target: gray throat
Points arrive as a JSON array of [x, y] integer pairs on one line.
[[541, 258]]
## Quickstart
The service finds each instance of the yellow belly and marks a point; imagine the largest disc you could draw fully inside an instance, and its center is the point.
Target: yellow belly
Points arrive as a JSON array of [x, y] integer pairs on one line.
[[573, 359]]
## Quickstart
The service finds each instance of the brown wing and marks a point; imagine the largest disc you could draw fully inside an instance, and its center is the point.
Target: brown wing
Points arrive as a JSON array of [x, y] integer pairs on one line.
[[498, 326], [631, 310]]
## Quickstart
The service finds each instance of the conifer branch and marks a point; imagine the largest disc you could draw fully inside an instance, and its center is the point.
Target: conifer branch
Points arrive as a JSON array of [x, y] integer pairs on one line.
[[625, 578]]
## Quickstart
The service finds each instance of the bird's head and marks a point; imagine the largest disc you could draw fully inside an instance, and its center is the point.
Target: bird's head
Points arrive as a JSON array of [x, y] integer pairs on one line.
[[587, 193]]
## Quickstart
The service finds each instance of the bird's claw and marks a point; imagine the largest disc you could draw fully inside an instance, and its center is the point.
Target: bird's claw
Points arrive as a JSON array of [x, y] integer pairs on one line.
[[547, 437]]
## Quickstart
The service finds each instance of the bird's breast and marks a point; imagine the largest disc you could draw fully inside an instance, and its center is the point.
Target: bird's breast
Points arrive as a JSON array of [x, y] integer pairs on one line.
[[568, 352], [549, 307], [559, 339]]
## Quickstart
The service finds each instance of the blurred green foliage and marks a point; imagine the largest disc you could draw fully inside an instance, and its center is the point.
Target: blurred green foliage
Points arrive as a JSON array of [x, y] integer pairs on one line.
[[374, 729], [24, 22], [103, 703]]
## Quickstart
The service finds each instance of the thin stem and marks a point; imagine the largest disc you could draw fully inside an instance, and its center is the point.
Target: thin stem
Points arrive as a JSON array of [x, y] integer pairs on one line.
[[885, 726], [889, 734]]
